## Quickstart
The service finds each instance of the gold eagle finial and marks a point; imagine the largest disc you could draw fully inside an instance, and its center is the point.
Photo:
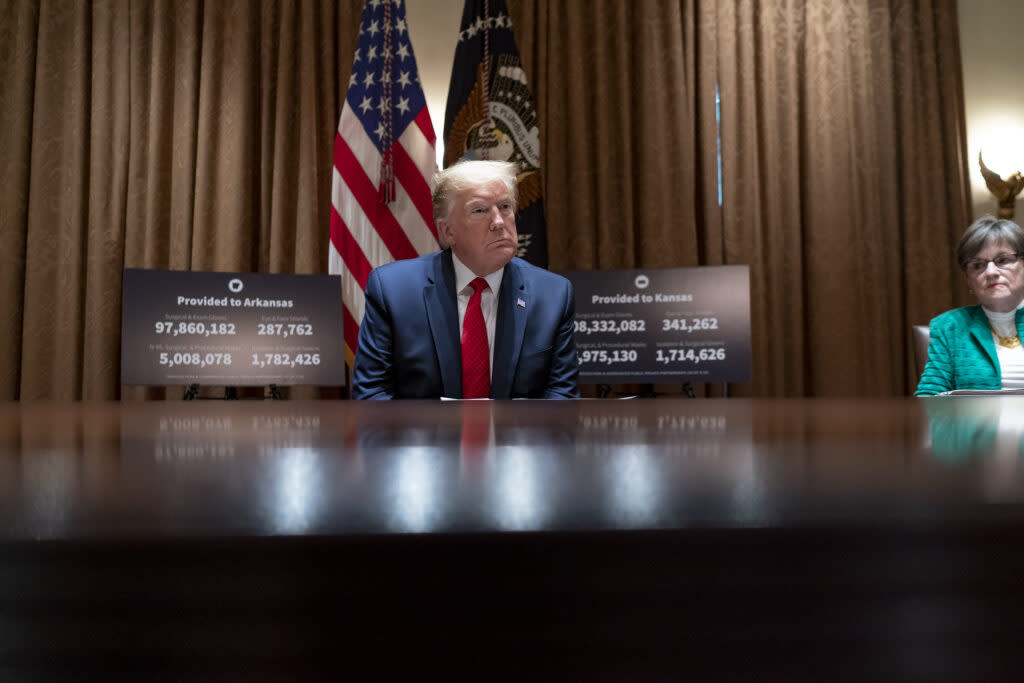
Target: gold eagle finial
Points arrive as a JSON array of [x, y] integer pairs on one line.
[[1005, 191]]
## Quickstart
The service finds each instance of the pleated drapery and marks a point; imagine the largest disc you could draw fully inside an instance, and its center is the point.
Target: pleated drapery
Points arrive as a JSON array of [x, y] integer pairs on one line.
[[840, 125], [198, 135], [177, 134]]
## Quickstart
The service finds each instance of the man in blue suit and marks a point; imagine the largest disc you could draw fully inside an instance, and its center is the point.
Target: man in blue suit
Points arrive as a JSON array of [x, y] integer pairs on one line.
[[426, 318]]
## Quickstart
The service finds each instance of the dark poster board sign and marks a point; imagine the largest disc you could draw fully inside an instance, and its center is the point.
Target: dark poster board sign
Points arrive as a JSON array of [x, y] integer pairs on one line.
[[663, 325], [233, 329]]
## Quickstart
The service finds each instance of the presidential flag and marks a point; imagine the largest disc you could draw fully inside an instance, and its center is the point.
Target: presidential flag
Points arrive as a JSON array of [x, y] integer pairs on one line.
[[491, 114], [384, 161]]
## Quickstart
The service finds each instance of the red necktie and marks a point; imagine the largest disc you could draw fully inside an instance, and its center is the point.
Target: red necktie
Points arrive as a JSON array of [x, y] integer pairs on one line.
[[476, 354]]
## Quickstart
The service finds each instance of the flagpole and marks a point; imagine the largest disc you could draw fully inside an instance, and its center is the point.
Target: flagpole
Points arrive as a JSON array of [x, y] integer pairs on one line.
[[486, 128]]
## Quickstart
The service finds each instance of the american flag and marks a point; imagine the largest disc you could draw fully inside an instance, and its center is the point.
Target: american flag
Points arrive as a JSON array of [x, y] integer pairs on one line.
[[384, 160]]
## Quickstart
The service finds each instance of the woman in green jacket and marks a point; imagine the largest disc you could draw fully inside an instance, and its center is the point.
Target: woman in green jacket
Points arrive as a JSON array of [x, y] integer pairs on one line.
[[979, 347]]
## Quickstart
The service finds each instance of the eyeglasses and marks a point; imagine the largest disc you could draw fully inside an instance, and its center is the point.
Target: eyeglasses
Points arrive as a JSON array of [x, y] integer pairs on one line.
[[1003, 261]]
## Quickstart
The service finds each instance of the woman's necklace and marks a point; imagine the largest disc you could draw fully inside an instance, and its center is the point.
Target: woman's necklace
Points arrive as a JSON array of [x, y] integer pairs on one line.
[[1006, 342]]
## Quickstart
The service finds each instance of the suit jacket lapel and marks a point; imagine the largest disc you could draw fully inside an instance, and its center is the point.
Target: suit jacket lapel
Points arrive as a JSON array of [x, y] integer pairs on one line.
[[980, 330], [443, 315], [509, 330]]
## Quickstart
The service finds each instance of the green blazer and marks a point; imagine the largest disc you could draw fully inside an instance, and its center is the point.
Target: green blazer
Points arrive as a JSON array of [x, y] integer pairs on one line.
[[961, 354]]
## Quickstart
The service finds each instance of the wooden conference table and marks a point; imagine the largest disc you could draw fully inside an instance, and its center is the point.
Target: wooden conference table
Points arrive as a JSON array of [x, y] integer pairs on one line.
[[587, 540]]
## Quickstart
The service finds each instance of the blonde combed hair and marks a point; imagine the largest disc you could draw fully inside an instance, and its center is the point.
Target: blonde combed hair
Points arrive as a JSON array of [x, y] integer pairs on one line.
[[470, 174]]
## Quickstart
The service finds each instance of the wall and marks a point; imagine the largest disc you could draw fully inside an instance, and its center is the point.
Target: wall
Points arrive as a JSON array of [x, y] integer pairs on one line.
[[434, 30], [993, 57]]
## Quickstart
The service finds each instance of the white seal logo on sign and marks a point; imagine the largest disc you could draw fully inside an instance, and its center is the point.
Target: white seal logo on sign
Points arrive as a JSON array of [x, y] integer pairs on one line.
[[641, 281], [235, 285]]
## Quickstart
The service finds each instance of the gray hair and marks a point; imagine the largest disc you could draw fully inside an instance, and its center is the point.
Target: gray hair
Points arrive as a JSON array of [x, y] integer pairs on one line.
[[469, 174], [985, 231]]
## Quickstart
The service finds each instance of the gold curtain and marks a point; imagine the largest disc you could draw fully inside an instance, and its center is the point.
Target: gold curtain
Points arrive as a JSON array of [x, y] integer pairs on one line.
[[846, 134], [198, 135], [844, 169], [174, 134], [614, 83]]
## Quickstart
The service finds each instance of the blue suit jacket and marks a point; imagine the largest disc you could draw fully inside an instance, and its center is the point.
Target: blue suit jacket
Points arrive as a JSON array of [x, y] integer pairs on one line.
[[409, 342]]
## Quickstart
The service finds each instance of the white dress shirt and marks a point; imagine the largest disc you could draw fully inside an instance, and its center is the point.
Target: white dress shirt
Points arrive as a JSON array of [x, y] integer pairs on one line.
[[488, 299]]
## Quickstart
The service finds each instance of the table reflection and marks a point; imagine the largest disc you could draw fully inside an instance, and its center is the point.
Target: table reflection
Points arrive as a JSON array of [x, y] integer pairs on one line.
[[525, 487], [414, 489], [254, 536], [982, 433], [299, 496], [50, 491], [634, 479], [308, 468]]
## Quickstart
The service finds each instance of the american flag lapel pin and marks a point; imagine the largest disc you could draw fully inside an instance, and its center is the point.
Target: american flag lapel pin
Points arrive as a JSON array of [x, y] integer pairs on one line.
[[520, 303]]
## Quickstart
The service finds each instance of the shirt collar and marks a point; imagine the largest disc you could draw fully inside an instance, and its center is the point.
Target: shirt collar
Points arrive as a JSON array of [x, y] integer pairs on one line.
[[463, 276]]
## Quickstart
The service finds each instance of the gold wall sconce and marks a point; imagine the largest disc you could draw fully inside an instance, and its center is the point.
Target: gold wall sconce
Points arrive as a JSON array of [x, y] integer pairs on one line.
[[1005, 191]]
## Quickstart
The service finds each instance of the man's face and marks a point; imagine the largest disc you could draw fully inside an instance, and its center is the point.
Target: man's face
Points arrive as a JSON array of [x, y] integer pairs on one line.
[[481, 228]]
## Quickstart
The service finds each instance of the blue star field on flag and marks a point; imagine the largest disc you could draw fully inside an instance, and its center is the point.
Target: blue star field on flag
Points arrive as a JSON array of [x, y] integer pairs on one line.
[[367, 92]]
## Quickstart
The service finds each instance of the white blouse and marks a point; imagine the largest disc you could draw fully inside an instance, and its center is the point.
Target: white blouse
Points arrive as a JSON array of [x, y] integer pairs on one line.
[[1011, 361]]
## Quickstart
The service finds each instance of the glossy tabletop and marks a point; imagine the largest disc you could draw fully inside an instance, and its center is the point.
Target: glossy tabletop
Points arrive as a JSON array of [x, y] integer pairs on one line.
[[215, 468], [523, 540]]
